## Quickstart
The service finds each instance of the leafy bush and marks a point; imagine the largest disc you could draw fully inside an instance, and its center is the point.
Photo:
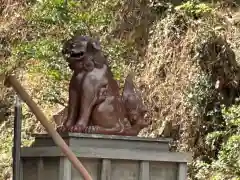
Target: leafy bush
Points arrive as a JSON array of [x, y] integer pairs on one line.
[[194, 8], [227, 163], [199, 94]]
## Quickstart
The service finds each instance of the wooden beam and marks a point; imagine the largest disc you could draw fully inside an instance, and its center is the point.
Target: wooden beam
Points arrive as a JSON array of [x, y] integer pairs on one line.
[[109, 153]]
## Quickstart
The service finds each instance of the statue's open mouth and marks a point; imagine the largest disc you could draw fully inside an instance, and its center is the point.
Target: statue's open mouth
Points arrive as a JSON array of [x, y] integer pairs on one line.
[[76, 55], [71, 57]]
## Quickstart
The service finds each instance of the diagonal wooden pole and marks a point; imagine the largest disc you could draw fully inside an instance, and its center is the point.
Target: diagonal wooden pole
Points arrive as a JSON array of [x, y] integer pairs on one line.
[[12, 81]]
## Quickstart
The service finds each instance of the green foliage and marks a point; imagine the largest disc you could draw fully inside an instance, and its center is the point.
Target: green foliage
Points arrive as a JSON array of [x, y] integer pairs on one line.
[[116, 54], [51, 22], [159, 6], [44, 54], [199, 94], [194, 8], [227, 164], [229, 156]]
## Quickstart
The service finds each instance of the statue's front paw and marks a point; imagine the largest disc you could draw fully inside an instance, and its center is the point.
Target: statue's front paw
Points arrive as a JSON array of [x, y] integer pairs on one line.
[[78, 128]]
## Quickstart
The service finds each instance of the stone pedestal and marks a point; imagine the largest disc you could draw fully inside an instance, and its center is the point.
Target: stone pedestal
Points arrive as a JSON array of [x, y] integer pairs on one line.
[[105, 157]]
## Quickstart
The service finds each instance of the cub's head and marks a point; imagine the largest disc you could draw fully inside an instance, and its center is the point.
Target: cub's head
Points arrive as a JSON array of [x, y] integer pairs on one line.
[[133, 103]]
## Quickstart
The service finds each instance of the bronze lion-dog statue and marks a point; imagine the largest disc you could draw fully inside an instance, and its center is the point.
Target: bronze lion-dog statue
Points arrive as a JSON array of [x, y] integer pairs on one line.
[[95, 104]]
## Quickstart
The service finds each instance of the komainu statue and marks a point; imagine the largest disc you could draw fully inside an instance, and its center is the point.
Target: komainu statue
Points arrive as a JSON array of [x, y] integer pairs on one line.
[[95, 104]]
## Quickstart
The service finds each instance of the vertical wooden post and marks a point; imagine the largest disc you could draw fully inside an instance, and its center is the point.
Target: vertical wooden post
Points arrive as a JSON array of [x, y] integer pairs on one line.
[[65, 169], [182, 171], [106, 169], [144, 170], [17, 139], [40, 169], [21, 169]]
